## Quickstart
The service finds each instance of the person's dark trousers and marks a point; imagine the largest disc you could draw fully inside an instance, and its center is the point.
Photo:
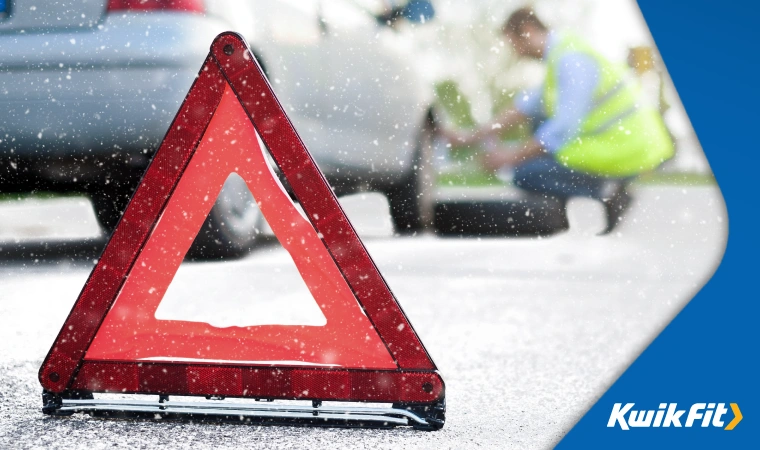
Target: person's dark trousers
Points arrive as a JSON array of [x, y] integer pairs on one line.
[[545, 175]]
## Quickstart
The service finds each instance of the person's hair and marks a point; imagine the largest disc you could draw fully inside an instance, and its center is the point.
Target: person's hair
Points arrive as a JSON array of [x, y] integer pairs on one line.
[[518, 19]]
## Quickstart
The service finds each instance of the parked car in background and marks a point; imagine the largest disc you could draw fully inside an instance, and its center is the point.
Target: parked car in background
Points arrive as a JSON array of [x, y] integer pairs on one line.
[[89, 87]]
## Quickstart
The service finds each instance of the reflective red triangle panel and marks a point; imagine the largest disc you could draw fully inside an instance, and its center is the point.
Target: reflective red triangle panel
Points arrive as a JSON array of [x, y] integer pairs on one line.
[[112, 340]]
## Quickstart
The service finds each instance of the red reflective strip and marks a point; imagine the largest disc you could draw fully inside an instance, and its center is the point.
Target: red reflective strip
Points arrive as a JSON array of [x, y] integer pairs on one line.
[[319, 202], [110, 378], [156, 5], [274, 383], [162, 378], [217, 380], [266, 382], [320, 384]]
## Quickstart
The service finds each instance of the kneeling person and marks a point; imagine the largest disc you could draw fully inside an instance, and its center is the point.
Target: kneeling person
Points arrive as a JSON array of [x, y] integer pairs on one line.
[[592, 134]]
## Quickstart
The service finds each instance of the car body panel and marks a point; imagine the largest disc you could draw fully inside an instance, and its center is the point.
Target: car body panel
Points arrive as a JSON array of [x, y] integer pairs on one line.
[[33, 16], [116, 85]]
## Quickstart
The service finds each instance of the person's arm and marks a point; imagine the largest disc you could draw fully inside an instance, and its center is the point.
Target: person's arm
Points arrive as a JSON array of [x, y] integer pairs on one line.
[[507, 119], [517, 154], [526, 106], [578, 76]]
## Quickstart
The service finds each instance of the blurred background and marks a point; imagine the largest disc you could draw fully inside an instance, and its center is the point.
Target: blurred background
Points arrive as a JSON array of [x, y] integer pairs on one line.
[[465, 47], [91, 86], [529, 312]]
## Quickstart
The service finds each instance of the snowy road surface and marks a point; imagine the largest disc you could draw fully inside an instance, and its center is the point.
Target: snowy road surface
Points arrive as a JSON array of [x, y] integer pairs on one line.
[[527, 333]]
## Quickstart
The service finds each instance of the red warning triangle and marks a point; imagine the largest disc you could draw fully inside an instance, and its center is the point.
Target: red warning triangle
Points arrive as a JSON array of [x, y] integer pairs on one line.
[[112, 340]]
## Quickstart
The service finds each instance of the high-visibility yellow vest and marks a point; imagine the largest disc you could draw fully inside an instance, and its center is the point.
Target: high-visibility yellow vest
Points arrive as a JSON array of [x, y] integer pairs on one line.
[[619, 137]]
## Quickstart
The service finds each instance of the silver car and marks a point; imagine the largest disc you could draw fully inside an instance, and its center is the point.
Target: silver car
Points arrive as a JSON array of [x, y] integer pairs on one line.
[[88, 89]]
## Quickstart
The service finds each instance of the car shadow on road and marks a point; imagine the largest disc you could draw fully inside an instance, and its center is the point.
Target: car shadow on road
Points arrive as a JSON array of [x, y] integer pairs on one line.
[[79, 251], [51, 252]]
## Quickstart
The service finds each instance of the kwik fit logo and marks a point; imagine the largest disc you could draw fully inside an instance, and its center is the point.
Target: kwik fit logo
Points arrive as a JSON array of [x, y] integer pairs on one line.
[[669, 415]]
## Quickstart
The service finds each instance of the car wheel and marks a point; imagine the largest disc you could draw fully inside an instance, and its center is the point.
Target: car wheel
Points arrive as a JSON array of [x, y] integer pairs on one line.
[[109, 205], [412, 200], [231, 227], [229, 230], [532, 215]]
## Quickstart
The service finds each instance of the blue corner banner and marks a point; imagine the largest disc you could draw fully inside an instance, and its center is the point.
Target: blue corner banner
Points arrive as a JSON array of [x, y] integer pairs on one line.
[[704, 364]]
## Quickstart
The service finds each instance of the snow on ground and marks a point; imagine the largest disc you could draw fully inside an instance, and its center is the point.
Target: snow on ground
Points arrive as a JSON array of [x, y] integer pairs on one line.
[[528, 333]]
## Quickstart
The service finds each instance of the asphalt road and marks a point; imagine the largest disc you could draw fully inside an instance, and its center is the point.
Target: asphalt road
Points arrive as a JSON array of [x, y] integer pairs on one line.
[[527, 332]]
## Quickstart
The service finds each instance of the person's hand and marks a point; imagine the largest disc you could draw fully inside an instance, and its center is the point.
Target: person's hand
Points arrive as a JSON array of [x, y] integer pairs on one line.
[[469, 137], [510, 155], [457, 137], [494, 160]]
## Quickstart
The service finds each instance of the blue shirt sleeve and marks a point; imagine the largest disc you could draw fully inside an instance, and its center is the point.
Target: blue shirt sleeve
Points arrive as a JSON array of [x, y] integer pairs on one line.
[[577, 78], [530, 103]]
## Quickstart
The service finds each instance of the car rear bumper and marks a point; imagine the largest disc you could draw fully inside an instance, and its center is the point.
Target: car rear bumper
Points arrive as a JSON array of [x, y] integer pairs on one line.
[[93, 111], [114, 88]]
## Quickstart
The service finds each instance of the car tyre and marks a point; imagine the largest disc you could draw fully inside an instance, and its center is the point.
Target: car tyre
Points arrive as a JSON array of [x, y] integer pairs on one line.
[[412, 200], [533, 215], [109, 205], [229, 231]]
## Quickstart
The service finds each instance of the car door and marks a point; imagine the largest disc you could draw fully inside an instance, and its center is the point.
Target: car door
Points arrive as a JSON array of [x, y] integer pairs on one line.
[[288, 41], [373, 99]]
